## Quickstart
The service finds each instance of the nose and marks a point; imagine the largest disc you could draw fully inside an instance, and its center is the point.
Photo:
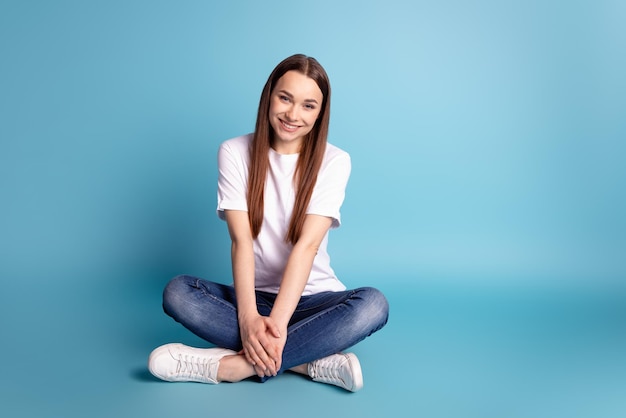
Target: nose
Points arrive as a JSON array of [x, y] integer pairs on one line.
[[291, 113]]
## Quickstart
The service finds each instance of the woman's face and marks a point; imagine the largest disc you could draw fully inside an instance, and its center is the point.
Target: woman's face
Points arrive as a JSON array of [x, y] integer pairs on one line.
[[295, 104]]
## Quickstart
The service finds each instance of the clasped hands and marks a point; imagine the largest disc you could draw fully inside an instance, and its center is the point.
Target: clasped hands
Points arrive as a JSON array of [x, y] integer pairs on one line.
[[263, 343]]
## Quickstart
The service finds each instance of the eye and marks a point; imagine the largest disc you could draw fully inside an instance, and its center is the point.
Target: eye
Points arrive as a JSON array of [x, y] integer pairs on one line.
[[283, 98], [309, 106]]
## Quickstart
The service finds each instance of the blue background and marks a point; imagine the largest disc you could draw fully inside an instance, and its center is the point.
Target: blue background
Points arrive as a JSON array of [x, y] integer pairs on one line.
[[487, 197]]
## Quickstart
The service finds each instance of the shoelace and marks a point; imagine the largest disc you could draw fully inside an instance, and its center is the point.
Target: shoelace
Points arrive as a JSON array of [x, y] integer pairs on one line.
[[191, 366], [327, 370]]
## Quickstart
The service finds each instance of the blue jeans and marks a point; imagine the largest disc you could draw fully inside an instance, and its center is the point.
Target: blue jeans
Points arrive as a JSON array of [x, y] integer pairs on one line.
[[322, 324]]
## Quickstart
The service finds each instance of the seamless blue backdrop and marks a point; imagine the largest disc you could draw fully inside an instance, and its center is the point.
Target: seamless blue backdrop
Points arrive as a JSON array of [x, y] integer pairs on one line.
[[487, 138]]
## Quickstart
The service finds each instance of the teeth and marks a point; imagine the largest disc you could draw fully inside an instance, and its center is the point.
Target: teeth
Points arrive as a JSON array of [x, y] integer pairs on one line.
[[288, 126]]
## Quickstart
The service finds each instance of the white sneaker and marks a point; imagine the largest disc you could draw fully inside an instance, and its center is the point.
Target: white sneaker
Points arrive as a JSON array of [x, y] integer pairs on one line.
[[181, 363], [343, 370]]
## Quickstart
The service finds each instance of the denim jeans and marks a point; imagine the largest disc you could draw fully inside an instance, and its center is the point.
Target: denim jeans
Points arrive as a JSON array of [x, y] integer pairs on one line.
[[322, 324]]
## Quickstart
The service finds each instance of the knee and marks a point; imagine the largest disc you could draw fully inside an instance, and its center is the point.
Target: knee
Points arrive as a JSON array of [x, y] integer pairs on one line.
[[174, 293], [376, 306]]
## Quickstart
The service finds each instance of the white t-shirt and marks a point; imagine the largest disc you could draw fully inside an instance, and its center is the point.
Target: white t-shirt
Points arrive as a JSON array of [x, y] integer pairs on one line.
[[270, 248]]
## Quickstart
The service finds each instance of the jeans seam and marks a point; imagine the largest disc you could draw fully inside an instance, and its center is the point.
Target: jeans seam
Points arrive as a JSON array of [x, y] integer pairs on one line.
[[349, 295], [211, 296]]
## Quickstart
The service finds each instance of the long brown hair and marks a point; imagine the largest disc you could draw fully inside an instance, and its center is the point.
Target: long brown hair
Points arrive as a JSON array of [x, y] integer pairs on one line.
[[311, 153]]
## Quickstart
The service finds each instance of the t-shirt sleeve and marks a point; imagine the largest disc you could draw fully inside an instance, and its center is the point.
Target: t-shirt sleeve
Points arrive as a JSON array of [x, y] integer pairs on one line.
[[232, 180], [330, 189]]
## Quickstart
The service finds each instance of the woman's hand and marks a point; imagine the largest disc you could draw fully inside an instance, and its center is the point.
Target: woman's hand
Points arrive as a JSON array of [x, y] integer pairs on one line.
[[263, 343]]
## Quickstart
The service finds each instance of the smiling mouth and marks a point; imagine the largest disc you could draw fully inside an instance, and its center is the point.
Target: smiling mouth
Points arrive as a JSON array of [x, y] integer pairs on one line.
[[288, 126]]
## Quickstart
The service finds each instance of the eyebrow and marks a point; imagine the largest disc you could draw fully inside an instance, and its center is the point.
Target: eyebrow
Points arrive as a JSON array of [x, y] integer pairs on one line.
[[286, 93]]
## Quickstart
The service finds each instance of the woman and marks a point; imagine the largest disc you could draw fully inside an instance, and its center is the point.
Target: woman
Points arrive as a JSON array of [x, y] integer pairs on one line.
[[280, 191]]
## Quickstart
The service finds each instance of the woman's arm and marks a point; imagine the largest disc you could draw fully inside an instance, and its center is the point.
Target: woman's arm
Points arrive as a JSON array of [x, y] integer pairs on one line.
[[297, 273], [255, 330], [242, 258]]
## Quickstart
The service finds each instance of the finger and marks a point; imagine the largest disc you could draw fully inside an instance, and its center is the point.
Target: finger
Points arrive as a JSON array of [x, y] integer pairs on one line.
[[249, 357], [259, 371], [273, 329], [259, 356], [266, 352], [272, 364], [275, 351], [252, 355], [265, 368], [278, 363]]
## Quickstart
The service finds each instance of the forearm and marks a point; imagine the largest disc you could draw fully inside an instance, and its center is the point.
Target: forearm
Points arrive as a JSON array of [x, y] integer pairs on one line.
[[294, 280], [298, 268], [242, 257], [256, 331], [243, 278]]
